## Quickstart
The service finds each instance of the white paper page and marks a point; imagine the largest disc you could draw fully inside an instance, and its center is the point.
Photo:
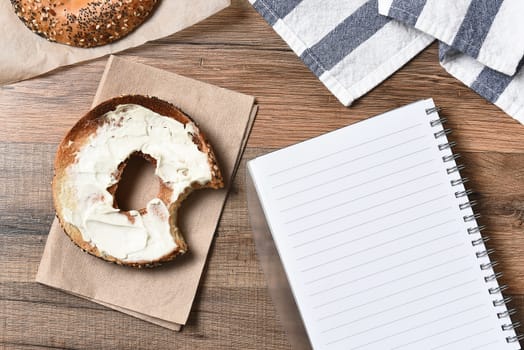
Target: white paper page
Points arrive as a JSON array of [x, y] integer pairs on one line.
[[373, 241]]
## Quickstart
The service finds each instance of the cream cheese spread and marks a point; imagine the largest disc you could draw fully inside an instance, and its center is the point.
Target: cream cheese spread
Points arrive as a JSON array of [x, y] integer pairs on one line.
[[131, 236]]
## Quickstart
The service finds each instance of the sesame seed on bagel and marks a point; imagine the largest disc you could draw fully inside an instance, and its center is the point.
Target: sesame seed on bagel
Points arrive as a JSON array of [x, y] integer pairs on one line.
[[83, 23]]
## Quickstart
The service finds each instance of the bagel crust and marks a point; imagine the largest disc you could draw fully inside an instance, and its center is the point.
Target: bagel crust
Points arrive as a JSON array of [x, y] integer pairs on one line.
[[75, 199], [83, 23]]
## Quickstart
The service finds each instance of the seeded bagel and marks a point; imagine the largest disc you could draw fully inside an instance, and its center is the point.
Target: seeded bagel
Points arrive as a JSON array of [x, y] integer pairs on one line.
[[83, 23]]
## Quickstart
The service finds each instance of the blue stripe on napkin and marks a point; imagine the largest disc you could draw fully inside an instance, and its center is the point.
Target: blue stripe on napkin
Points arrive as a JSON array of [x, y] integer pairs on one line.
[[490, 83], [407, 13], [346, 37], [475, 26], [273, 10]]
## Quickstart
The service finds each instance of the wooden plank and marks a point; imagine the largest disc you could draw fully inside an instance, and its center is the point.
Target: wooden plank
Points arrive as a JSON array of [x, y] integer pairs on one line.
[[26, 171], [65, 325], [239, 24], [294, 105]]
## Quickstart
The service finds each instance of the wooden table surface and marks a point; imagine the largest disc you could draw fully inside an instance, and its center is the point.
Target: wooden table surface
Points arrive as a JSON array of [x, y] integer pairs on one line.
[[235, 49]]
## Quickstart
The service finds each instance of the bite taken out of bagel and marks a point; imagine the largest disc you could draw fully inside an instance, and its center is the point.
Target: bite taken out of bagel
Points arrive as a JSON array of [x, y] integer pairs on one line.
[[89, 164], [83, 23]]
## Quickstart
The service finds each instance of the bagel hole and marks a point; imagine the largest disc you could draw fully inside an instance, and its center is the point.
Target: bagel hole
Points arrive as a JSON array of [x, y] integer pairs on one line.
[[138, 184]]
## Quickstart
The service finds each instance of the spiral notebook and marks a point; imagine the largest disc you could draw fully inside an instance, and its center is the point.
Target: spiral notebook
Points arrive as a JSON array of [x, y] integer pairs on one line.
[[378, 238]]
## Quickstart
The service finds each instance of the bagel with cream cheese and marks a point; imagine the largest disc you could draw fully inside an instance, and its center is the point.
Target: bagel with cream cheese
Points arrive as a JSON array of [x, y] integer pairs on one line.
[[89, 164], [83, 23]]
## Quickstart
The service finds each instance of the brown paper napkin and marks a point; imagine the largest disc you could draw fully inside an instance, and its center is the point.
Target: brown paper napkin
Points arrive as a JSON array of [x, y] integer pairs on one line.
[[162, 295], [24, 54]]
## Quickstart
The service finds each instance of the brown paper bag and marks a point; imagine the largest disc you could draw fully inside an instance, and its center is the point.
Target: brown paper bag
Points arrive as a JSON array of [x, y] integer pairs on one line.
[[24, 54], [162, 295]]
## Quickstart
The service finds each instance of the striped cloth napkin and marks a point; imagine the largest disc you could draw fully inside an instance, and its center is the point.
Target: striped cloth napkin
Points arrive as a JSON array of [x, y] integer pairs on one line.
[[353, 45], [481, 43]]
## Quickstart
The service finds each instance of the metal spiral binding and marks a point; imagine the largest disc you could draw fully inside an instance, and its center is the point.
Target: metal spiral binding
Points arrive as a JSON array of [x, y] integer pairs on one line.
[[484, 253], [468, 204], [515, 339], [508, 327], [469, 218], [465, 193], [476, 229], [433, 110], [442, 133], [451, 157], [501, 302], [444, 146], [460, 181], [498, 289], [479, 241], [493, 277], [507, 313], [488, 266], [455, 168]]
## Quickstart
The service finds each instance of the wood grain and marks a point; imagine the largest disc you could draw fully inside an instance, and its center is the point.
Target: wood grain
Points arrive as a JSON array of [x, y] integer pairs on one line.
[[235, 49]]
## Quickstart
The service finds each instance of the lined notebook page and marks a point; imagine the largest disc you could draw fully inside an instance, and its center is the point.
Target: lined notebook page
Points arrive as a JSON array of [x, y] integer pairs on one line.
[[373, 241]]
